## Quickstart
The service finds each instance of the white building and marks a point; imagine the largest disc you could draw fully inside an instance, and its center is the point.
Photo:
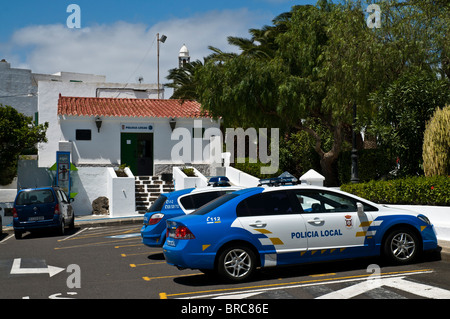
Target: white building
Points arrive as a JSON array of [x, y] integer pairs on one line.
[[18, 87], [104, 125]]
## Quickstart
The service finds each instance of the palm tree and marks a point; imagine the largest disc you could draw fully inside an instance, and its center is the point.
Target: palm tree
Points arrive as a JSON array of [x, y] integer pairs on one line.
[[184, 81], [261, 45]]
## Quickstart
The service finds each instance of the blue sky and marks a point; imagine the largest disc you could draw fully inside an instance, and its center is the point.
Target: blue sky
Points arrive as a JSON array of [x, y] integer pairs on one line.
[[117, 37]]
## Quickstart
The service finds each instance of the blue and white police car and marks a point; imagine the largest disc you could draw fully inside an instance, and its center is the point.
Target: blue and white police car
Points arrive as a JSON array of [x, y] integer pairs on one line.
[[271, 226], [178, 203]]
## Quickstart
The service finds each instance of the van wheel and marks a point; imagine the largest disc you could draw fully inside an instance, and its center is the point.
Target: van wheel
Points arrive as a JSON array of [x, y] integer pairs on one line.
[[18, 234], [401, 246], [62, 228], [72, 223], [236, 263]]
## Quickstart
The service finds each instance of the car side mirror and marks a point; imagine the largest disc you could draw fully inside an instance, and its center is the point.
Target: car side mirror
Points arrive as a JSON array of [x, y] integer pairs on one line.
[[360, 208], [71, 200]]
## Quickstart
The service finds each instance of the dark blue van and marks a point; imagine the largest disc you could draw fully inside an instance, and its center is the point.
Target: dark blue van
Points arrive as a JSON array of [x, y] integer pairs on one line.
[[41, 208]]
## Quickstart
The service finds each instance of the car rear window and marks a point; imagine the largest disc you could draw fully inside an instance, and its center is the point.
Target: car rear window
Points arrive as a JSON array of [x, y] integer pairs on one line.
[[195, 201], [205, 209], [158, 204], [40, 196]]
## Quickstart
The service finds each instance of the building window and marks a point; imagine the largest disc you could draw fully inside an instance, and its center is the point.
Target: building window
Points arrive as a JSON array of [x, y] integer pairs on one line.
[[198, 132], [83, 135]]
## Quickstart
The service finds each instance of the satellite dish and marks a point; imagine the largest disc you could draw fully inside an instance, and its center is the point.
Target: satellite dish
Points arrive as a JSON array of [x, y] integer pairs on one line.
[[140, 79]]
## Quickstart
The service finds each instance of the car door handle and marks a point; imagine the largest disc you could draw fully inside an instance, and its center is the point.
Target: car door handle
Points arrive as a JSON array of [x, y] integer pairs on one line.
[[316, 221], [258, 224]]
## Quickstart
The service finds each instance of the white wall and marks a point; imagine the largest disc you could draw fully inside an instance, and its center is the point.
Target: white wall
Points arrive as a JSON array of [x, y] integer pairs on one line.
[[17, 89], [121, 194], [90, 183]]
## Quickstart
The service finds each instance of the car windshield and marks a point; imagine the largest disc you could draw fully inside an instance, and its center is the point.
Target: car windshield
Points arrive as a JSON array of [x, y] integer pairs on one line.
[[205, 209], [40, 196]]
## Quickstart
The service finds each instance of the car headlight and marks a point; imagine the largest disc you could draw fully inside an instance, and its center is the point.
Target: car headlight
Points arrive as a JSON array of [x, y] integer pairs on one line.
[[424, 219]]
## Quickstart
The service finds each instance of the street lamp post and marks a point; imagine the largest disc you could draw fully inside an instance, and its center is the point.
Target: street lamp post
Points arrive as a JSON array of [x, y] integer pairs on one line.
[[162, 39], [354, 176]]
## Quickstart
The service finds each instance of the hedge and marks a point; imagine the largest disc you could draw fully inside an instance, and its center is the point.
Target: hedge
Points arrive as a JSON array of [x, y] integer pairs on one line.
[[420, 190]]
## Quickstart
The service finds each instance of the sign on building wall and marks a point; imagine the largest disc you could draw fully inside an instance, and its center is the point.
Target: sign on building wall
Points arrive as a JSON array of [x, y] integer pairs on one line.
[[63, 170], [136, 128]]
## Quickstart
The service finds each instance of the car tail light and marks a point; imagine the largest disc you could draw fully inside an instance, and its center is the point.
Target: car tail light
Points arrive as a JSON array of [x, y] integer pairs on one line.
[[155, 219], [15, 215], [181, 232], [57, 211]]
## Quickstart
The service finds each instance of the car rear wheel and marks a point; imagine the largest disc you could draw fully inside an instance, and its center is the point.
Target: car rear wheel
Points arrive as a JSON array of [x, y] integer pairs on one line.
[[62, 227], [402, 246], [236, 263]]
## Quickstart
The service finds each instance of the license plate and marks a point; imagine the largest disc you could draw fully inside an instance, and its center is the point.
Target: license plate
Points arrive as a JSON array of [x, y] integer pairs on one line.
[[35, 218], [170, 242]]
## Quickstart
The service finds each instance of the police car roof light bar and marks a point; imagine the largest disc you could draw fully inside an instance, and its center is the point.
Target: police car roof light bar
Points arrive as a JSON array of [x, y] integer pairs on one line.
[[277, 181]]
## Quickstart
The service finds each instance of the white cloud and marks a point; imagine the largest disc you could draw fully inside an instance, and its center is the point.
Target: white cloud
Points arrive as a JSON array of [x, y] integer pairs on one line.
[[123, 51]]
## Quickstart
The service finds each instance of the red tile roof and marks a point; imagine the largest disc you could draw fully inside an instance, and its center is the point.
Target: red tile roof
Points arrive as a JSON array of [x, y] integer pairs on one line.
[[85, 106]]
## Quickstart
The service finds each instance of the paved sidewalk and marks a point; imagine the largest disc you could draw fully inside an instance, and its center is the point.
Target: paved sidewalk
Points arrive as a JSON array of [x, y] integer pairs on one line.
[[99, 221]]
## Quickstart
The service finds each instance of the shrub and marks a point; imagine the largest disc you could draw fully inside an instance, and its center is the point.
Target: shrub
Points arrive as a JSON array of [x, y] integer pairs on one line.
[[406, 191], [373, 164], [436, 144], [253, 169]]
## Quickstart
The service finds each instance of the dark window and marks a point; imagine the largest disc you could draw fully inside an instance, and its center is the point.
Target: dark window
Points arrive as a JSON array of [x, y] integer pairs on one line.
[[158, 204], [270, 203], [198, 200], [205, 209], [83, 135], [198, 132]]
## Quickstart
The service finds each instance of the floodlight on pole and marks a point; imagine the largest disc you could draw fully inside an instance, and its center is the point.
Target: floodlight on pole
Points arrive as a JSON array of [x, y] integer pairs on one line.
[[162, 40]]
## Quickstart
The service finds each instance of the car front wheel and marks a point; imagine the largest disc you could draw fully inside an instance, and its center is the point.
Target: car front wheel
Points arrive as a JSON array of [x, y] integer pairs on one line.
[[402, 246], [236, 263]]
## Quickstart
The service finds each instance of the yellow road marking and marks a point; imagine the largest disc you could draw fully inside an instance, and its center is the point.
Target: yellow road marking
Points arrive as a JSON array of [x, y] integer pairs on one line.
[[103, 234], [128, 245], [324, 275], [164, 277], [146, 264], [289, 283], [94, 244], [127, 255]]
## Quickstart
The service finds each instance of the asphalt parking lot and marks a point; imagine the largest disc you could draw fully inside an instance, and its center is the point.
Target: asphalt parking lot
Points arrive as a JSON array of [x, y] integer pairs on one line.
[[110, 262]]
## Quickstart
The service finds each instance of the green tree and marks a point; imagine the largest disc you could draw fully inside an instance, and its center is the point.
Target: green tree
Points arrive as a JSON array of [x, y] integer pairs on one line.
[[316, 62], [404, 107], [17, 133], [319, 55]]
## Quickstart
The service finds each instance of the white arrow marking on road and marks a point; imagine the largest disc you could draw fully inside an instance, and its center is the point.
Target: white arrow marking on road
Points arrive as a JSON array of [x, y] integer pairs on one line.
[[398, 283], [16, 270]]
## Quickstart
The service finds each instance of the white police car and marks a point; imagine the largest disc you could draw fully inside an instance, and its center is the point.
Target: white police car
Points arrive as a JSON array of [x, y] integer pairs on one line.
[[179, 203], [272, 226]]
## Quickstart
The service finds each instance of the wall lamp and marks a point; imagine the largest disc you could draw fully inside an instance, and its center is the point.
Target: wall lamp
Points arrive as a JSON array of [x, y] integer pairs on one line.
[[173, 123], [98, 123]]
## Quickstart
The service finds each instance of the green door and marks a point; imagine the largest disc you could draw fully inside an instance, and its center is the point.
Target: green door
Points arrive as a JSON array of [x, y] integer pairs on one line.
[[137, 152], [128, 151]]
